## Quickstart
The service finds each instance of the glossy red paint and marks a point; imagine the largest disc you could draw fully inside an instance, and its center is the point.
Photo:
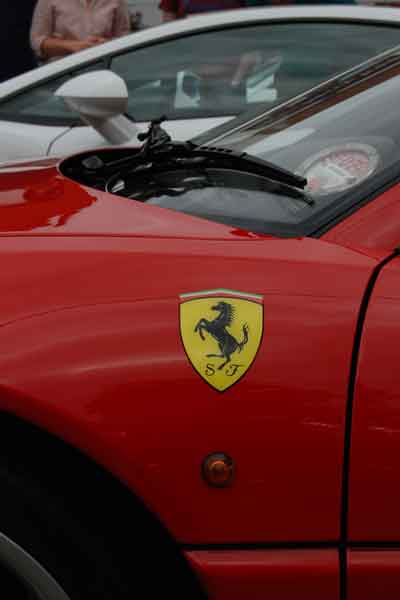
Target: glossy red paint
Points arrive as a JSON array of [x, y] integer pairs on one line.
[[90, 350], [373, 573], [372, 229], [260, 574], [375, 448], [40, 200]]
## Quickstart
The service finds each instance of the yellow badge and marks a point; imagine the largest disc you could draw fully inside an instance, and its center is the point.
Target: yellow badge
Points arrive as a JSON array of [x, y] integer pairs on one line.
[[221, 332]]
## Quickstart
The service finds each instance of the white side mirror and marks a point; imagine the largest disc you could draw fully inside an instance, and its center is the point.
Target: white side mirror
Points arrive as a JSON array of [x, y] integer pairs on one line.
[[101, 98]]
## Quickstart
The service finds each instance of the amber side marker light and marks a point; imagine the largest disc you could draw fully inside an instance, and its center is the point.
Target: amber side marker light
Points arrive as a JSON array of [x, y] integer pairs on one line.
[[218, 470]]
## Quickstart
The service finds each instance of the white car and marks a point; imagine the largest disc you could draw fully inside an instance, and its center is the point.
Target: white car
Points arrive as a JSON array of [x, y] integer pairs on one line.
[[187, 70]]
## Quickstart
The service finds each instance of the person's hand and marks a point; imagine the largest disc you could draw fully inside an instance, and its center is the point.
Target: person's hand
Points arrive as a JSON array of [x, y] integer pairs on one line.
[[54, 47], [96, 39], [78, 45]]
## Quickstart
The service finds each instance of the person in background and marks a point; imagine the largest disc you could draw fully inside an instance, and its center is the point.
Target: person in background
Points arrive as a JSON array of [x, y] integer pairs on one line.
[[62, 27], [177, 9], [15, 51]]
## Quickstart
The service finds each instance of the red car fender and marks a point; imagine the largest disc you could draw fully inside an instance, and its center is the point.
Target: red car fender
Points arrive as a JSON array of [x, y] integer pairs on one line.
[[90, 349]]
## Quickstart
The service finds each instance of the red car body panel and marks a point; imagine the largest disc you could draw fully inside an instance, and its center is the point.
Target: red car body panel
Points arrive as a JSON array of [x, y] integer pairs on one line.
[[372, 229], [373, 572], [238, 574], [375, 449], [90, 350], [43, 202], [103, 354]]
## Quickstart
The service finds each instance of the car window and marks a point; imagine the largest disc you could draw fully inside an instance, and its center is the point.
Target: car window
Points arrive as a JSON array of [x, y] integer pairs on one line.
[[191, 76], [345, 142], [227, 71], [39, 105]]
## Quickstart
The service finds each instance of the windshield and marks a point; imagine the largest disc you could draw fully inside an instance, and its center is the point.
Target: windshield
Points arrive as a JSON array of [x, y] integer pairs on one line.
[[342, 137], [344, 141]]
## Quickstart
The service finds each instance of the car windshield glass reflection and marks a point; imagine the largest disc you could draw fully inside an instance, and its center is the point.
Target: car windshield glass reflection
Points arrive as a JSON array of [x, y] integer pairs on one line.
[[337, 142], [342, 138]]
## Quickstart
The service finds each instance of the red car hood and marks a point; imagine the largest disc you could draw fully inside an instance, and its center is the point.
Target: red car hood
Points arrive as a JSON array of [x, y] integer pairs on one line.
[[36, 199]]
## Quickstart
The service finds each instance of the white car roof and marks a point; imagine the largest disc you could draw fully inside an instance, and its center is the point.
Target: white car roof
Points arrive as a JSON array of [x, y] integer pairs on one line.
[[351, 14]]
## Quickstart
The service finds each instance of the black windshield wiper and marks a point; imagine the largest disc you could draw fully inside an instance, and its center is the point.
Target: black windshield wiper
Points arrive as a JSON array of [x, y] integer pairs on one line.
[[158, 148], [159, 152]]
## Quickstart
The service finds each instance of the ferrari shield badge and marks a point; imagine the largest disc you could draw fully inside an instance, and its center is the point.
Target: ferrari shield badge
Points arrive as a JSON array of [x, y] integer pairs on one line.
[[221, 332]]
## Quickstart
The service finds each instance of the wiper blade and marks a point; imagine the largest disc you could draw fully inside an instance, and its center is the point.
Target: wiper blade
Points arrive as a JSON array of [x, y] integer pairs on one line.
[[158, 148], [159, 152]]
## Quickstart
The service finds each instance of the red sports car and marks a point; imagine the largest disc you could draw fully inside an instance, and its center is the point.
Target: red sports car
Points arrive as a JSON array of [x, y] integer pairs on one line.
[[200, 359]]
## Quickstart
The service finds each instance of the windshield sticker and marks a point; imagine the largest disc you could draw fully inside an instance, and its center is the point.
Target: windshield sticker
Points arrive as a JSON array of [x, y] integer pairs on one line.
[[339, 168], [221, 332]]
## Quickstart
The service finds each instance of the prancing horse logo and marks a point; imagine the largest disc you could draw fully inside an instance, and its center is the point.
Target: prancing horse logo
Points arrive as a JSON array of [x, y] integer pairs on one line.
[[221, 332], [217, 329]]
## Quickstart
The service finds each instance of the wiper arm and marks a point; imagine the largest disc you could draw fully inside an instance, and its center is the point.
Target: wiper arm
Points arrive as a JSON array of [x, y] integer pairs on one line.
[[158, 148], [159, 152]]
